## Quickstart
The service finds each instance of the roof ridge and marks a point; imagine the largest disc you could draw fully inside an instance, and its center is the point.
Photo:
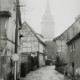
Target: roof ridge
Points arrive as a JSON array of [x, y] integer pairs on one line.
[[34, 33]]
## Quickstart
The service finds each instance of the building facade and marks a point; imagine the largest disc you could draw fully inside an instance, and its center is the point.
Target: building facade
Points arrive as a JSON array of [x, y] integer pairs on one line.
[[7, 37], [74, 51], [71, 32], [32, 45], [4, 16]]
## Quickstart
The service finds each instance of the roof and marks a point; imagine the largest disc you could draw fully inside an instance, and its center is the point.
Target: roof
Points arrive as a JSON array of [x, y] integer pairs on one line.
[[74, 38], [35, 34], [40, 35], [5, 14], [59, 37]]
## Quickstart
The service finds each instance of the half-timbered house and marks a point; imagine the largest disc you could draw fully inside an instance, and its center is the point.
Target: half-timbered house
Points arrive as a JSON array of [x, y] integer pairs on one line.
[[32, 46]]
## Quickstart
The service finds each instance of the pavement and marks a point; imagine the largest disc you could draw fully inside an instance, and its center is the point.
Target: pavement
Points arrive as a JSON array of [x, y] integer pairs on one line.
[[44, 73]]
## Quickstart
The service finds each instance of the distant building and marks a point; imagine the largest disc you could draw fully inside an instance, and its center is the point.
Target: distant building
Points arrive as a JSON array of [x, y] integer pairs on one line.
[[50, 49], [47, 24], [67, 35], [47, 30]]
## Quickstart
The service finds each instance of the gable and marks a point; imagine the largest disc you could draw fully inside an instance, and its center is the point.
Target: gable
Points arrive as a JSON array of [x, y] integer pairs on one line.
[[72, 31], [27, 33]]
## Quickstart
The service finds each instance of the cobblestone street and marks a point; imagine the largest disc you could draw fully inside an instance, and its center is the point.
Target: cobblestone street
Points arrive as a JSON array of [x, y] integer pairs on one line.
[[45, 73]]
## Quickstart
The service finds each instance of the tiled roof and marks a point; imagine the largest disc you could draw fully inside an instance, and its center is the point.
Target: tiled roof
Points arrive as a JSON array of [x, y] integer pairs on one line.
[[35, 34], [74, 38], [67, 30]]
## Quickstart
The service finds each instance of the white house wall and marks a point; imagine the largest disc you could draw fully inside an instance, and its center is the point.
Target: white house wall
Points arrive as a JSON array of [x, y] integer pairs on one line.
[[40, 48], [30, 47], [29, 41], [62, 49], [9, 5], [41, 60]]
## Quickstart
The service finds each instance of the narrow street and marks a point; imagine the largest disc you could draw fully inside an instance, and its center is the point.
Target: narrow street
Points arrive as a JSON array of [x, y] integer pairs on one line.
[[45, 73], [35, 35]]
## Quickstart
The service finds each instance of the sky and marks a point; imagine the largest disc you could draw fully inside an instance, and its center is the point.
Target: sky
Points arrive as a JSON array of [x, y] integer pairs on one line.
[[63, 11]]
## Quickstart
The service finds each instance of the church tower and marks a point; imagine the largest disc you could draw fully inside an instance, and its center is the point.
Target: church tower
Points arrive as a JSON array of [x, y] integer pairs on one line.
[[47, 24]]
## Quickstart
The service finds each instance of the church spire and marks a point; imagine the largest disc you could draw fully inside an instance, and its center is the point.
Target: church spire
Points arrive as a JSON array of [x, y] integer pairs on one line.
[[47, 26], [48, 7]]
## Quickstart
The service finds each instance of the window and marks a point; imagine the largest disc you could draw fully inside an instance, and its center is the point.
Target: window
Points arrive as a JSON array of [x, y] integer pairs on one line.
[[72, 46], [58, 48]]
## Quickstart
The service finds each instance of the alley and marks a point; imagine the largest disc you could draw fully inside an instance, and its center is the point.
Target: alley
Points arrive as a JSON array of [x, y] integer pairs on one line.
[[45, 73]]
